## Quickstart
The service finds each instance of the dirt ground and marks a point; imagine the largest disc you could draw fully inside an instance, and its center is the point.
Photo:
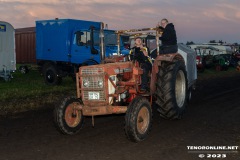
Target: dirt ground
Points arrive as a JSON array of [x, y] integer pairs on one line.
[[212, 119]]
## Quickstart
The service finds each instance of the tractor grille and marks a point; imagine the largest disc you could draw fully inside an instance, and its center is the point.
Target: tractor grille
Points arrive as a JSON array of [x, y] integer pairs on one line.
[[93, 84], [92, 71]]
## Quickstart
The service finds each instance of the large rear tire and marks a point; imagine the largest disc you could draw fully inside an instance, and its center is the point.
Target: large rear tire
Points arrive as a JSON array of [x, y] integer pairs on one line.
[[171, 89], [138, 119], [67, 119]]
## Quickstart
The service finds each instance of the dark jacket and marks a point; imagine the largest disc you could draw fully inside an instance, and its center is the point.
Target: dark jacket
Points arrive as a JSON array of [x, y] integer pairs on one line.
[[139, 55], [169, 35]]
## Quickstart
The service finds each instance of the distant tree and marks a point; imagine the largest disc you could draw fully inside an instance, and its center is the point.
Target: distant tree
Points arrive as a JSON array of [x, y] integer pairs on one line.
[[220, 41], [190, 42], [212, 41]]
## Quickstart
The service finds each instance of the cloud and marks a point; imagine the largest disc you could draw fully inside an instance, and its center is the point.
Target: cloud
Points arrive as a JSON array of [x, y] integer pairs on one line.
[[193, 19], [30, 2], [215, 14], [238, 14]]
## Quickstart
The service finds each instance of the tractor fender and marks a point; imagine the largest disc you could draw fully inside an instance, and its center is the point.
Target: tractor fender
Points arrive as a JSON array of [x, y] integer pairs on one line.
[[157, 63]]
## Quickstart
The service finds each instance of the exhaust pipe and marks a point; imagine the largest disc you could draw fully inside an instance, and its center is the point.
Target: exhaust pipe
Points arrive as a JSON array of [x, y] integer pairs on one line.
[[102, 46]]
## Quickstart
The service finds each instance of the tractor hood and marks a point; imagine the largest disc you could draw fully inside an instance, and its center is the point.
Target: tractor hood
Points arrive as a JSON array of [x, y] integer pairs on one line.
[[109, 68]]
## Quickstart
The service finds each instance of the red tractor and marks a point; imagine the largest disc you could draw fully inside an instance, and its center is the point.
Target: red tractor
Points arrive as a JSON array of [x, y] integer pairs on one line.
[[113, 87]]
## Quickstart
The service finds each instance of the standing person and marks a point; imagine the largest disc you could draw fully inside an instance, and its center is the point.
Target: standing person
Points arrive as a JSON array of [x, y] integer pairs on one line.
[[168, 37], [140, 54]]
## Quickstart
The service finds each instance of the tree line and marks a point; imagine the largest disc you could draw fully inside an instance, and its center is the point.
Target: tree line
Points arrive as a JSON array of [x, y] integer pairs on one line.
[[211, 41]]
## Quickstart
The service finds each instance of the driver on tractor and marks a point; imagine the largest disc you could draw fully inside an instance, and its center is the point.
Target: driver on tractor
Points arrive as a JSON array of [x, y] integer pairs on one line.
[[140, 54]]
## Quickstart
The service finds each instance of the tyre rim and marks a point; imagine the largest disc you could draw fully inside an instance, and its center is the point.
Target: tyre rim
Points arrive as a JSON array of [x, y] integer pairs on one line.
[[50, 76], [143, 120], [72, 116], [23, 70], [180, 88]]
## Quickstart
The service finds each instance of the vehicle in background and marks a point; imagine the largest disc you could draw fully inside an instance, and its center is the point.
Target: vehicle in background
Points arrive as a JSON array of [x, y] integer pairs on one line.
[[213, 57], [222, 62], [235, 59], [201, 64], [63, 45], [7, 51], [225, 49], [25, 40], [207, 54]]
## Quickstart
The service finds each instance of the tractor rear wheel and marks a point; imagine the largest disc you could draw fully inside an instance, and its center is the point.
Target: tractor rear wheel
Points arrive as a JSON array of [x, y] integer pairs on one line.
[[171, 89], [138, 119], [68, 119]]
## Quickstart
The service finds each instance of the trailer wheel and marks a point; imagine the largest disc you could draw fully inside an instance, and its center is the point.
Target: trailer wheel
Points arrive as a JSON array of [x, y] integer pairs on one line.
[[171, 89], [51, 76], [138, 119], [23, 69], [68, 119]]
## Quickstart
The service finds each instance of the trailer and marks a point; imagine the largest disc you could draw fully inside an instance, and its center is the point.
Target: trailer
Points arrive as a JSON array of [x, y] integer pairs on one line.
[[25, 41], [7, 51]]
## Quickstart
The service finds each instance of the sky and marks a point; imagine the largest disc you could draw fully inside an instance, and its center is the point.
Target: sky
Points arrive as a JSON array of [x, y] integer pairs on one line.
[[194, 20]]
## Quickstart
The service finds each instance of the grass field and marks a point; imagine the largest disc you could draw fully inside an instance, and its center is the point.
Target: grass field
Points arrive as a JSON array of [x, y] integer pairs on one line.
[[212, 73], [29, 92]]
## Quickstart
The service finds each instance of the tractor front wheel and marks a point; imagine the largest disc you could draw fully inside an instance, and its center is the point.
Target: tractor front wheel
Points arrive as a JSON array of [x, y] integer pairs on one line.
[[68, 119], [138, 119]]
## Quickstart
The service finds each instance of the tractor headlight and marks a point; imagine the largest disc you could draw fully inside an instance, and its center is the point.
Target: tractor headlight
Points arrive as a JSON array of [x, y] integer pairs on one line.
[[100, 83], [86, 83]]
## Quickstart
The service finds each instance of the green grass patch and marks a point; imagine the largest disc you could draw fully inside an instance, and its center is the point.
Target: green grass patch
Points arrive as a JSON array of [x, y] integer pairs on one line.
[[29, 92], [212, 73]]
